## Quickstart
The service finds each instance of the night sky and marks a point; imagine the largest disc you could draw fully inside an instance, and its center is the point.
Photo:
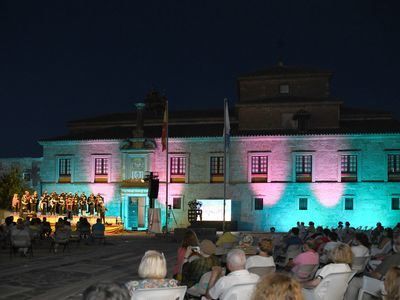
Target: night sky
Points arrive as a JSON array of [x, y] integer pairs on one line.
[[66, 60]]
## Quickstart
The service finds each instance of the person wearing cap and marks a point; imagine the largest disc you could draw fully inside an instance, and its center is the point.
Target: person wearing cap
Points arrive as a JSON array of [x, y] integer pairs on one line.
[[197, 262], [236, 262]]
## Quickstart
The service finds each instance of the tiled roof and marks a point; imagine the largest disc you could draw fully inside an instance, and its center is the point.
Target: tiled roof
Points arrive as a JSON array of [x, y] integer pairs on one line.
[[281, 70], [214, 130]]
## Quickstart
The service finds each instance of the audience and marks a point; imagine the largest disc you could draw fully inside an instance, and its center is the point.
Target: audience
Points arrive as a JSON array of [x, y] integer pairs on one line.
[[341, 257], [264, 257], [277, 286], [197, 262], [152, 270], [189, 240], [235, 262], [392, 284], [106, 291]]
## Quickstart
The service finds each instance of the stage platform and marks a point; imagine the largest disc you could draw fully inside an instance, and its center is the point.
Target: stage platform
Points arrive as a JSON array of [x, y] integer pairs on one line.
[[113, 225]]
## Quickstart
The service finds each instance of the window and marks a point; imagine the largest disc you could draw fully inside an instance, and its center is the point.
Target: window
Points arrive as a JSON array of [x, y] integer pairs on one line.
[[259, 168], [64, 170], [303, 203], [178, 169], [217, 169], [303, 168], [101, 170], [348, 167], [284, 89], [348, 203], [177, 203], [396, 203], [26, 176], [394, 167], [258, 203]]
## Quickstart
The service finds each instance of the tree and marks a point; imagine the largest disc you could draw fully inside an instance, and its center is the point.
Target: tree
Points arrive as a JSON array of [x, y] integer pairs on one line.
[[10, 183]]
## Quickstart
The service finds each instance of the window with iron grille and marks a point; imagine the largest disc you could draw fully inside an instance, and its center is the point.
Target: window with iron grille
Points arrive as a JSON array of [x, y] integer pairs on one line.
[[259, 164], [396, 203], [303, 203], [64, 167], [258, 203], [348, 164], [176, 202], [303, 164], [348, 203], [178, 166], [217, 165], [394, 167], [101, 166]]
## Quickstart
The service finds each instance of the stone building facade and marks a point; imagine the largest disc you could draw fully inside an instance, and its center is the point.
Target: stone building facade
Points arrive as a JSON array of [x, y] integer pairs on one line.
[[296, 154]]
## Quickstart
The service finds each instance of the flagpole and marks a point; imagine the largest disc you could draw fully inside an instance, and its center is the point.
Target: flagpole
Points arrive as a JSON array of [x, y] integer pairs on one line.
[[225, 155], [166, 171]]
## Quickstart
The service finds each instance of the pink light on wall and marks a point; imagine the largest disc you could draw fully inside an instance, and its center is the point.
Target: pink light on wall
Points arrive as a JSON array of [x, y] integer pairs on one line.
[[107, 191], [328, 194]]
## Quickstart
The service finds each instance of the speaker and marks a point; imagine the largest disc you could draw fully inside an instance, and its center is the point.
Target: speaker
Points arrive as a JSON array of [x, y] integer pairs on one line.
[[153, 188]]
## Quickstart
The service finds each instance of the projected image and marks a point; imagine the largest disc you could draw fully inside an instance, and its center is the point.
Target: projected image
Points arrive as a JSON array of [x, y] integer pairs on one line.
[[213, 209]]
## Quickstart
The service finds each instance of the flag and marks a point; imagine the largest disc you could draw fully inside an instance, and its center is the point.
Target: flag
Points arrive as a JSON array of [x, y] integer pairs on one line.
[[164, 128], [227, 125]]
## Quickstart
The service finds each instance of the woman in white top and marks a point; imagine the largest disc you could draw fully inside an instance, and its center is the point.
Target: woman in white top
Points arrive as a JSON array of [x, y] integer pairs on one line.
[[264, 258], [342, 258]]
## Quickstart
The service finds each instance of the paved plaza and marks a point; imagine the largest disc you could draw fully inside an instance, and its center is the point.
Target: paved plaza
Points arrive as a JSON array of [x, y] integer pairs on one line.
[[66, 275]]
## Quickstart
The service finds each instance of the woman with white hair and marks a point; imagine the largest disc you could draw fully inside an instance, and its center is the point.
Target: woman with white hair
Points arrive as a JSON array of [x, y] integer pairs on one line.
[[153, 269]]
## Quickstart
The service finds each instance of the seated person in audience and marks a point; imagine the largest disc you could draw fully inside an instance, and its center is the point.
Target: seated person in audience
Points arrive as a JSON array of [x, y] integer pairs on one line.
[[329, 246], [189, 240], [83, 227], [277, 286], [20, 237], [293, 238], [106, 291], [152, 270], [98, 228], [62, 234], [392, 284], [321, 240], [376, 233], [360, 245], [384, 241], [341, 257], [264, 257], [226, 238], [197, 262], [308, 257], [46, 228], [236, 263]]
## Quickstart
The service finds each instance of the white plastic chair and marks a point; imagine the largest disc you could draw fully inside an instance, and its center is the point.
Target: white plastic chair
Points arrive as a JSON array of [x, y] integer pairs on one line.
[[200, 288], [240, 292], [305, 272], [261, 271], [370, 286], [172, 293], [332, 287]]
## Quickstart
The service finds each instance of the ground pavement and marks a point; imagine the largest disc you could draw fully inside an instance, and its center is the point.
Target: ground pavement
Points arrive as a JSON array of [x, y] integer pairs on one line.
[[66, 275]]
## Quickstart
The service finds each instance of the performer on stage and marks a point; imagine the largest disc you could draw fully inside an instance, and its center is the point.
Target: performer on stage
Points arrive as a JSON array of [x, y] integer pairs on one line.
[[75, 205], [15, 203], [91, 204], [61, 204], [25, 200], [34, 202], [103, 209], [69, 202], [83, 203], [53, 203], [44, 203], [99, 203]]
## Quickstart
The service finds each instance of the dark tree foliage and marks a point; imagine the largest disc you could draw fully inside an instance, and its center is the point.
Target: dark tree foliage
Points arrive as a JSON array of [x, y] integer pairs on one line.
[[10, 183]]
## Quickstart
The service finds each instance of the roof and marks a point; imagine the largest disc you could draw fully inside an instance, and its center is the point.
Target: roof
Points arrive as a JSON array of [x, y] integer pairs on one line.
[[289, 99], [282, 70], [215, 130]]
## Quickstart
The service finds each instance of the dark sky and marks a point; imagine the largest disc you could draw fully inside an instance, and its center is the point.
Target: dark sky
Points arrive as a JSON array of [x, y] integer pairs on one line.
[[65, 60]]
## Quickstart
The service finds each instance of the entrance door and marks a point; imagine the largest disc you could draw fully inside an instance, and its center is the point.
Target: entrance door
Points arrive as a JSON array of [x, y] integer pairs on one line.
[[136, 213]]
